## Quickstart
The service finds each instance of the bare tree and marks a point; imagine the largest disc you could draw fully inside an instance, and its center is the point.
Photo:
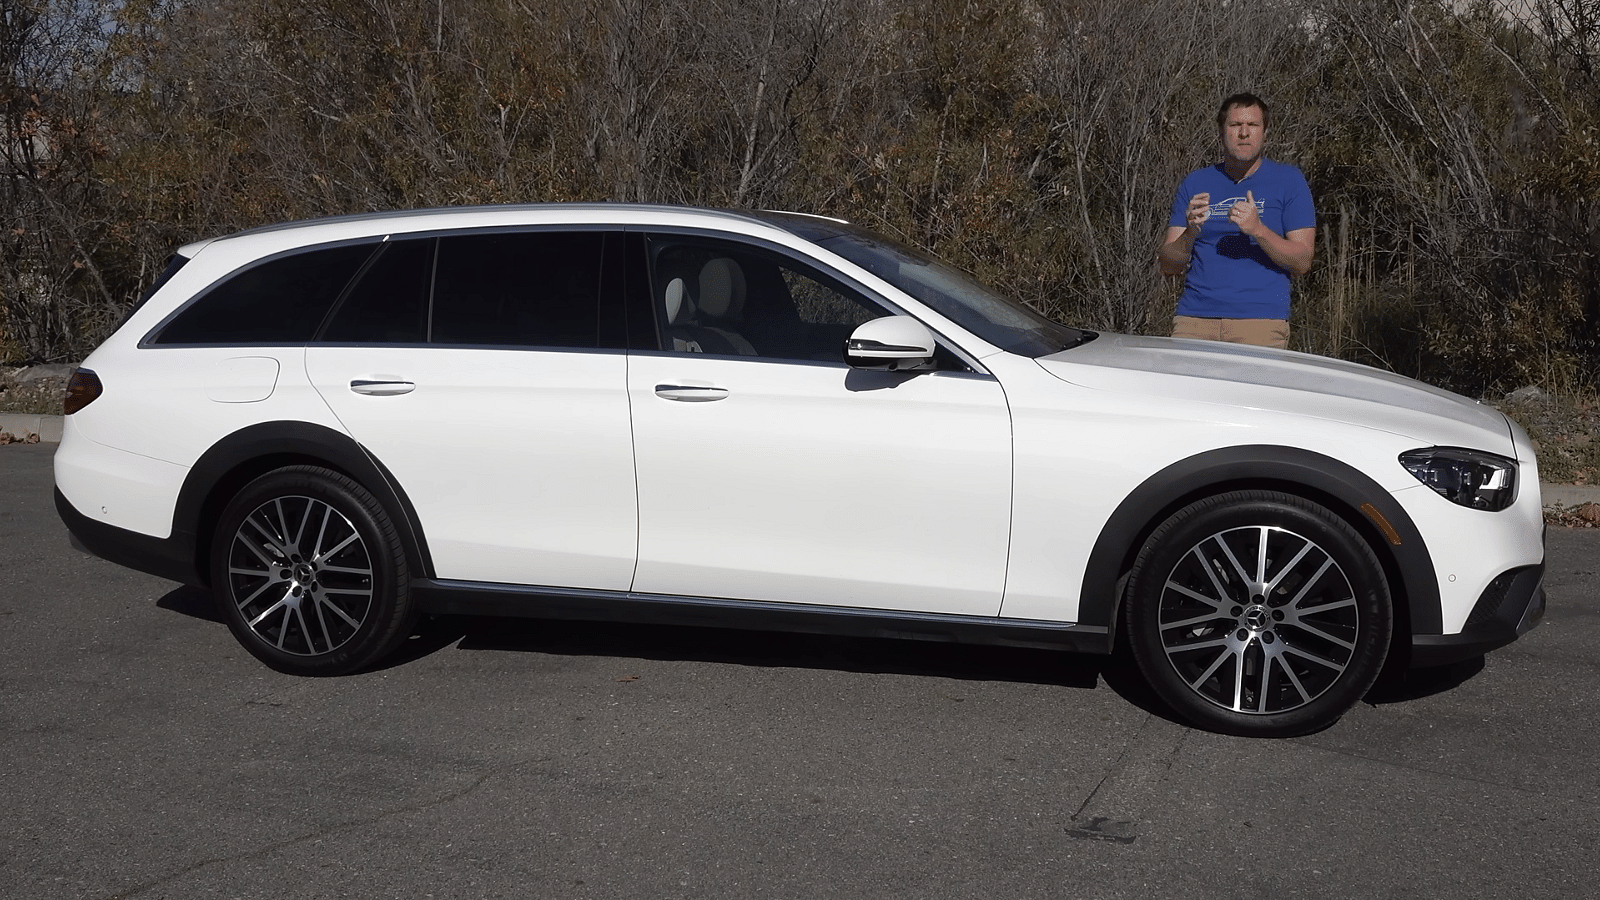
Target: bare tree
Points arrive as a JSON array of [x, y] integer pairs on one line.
[[1494, 251], [1132, 91], [54, 295], [1453, 148]]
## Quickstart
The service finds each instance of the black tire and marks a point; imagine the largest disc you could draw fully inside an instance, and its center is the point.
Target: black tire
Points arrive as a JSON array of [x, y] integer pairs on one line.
[[309, 573], [1258, 613]]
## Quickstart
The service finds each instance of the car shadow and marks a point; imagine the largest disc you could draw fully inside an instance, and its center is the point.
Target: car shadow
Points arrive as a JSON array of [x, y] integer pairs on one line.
[[778, 650], [1414, 684], [762, 649], [877, 656], [196, 603]]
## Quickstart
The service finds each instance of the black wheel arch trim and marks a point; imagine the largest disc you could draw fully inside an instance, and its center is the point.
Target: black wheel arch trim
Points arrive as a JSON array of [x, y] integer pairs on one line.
[[257, 449], [1335, 484], [218, 474]]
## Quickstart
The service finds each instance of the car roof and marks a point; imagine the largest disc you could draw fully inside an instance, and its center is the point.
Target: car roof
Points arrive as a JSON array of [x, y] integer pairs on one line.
[[368, 224]]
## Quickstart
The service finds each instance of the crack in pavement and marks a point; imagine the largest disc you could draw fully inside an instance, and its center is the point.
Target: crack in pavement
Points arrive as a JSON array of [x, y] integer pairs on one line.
[[1146, 758], [1115, 768]]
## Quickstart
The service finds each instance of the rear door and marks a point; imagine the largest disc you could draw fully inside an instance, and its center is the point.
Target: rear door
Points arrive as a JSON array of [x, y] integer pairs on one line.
[[485, 372]]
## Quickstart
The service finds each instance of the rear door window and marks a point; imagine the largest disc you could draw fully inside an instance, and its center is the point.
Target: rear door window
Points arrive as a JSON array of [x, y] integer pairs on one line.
[[389, 305], [520, 289]]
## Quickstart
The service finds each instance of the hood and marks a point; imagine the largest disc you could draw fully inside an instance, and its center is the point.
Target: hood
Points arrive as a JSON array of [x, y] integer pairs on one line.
[[1282, 381]]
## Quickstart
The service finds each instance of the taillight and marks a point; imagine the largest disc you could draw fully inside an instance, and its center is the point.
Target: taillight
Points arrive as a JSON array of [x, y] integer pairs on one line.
[[81, 391]]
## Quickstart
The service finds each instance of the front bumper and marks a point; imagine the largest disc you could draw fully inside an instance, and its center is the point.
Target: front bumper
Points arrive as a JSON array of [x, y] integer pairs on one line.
[[1509, 607]]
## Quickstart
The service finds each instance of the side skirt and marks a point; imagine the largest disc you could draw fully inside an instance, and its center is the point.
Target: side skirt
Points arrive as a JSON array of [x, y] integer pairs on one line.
[[441, 597]]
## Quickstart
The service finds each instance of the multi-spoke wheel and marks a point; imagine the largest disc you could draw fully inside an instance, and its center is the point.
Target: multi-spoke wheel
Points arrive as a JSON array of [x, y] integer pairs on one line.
[[309, 573], [1258, 613]]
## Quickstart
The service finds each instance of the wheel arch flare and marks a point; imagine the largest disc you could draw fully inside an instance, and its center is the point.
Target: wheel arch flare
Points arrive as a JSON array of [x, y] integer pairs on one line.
[[1344, 490], [239, 458]]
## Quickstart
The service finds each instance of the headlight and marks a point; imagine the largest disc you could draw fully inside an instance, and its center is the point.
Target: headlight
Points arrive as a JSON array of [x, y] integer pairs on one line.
[[1465, 477]]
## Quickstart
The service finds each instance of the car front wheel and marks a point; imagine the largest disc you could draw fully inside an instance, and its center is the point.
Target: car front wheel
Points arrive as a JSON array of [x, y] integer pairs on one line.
[[1258, 613], [309, 573]]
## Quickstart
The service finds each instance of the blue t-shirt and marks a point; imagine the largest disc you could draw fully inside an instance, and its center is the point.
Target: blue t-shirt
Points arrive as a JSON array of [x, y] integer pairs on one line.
[[1230, 276]]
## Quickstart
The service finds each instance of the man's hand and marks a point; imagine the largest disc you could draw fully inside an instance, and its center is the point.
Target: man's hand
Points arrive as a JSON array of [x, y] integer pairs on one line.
[[1177, 250], [1244, 215], [1293, 251], [1173, 257], [1199, 210]]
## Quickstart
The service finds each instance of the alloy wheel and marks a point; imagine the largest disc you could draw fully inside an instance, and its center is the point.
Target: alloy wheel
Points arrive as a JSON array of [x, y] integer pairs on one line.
[[300, 576], [1259, 620]]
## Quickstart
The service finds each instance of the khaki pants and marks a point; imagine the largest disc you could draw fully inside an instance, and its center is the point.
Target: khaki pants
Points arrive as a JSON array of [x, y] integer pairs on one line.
[[1261, 332]]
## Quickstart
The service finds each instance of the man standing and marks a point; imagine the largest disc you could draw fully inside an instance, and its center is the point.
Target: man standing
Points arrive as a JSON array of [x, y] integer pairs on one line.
[[1239, 229]]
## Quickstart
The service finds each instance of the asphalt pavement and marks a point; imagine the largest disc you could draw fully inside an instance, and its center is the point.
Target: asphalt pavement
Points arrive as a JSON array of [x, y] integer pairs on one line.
[[143, 754]]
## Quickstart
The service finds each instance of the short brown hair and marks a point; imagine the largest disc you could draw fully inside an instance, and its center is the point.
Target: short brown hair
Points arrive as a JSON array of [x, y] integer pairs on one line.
[[1243, 99]]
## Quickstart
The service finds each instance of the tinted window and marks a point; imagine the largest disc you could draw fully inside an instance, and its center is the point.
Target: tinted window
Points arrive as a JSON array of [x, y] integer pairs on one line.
[[1000, 320], [732, 299], [174, 263], [1009, 325], [532, 289], [281, 301], [389, 305]]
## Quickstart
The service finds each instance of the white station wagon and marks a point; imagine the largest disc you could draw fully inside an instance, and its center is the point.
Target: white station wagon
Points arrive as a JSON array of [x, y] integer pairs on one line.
[[775, 421]]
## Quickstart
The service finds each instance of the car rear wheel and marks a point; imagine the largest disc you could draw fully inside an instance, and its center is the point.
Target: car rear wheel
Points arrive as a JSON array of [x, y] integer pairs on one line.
[[1258, 613], [309, 573]]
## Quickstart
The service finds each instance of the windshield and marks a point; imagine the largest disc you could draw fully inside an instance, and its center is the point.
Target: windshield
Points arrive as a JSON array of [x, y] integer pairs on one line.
[[1002, 321]]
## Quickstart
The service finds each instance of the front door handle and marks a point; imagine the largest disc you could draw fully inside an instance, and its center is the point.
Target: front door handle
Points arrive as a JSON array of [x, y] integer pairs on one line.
[[381, 387], [690, 393]]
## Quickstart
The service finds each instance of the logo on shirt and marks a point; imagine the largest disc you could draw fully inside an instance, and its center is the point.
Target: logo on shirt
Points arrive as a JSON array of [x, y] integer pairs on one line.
[[1220, 210]]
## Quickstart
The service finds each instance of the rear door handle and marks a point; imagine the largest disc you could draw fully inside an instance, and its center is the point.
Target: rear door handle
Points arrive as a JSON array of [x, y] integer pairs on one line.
[[690, 393], [381, 387]]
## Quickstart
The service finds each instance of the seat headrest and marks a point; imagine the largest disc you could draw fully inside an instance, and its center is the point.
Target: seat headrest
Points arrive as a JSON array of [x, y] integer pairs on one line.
[[722, 289], [680, 308]]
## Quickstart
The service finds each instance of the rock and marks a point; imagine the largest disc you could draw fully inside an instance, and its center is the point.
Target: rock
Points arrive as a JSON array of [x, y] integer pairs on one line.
[[1589, 512], [62, 371], [1529, 394]]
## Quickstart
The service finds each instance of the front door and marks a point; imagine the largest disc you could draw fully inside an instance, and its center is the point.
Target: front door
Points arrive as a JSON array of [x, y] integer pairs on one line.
[[769, 470]]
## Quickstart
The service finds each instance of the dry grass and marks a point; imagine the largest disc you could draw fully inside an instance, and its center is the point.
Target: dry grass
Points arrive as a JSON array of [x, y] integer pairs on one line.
[[42, 397], [1586, 515], [1565, 433]]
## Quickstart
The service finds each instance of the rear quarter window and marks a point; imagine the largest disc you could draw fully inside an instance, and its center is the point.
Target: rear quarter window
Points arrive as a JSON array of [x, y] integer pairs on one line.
[[175, 262], [280, 301]]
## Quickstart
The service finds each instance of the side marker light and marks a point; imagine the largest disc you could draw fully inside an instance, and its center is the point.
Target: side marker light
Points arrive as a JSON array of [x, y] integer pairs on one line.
[[1377, 518]]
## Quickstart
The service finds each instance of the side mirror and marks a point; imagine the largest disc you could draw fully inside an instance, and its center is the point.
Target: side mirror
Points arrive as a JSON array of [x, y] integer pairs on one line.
[[892, 344]]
